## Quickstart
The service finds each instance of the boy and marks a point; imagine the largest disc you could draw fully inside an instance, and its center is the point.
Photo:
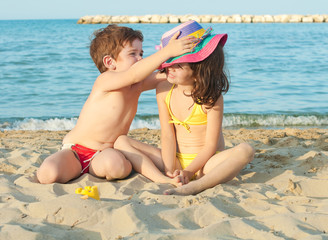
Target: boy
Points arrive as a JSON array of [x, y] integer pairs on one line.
[[110, 107]]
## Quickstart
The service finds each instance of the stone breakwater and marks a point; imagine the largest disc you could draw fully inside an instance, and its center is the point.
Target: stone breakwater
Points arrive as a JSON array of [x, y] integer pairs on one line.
[[237, 18]]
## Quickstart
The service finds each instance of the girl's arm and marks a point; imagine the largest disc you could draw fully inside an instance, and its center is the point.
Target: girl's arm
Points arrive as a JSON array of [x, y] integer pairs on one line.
[[168, 139], [213, 130], [112, 80]]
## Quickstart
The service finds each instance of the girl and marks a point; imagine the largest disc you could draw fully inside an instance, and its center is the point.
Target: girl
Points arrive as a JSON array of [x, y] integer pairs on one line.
[[190, 105]]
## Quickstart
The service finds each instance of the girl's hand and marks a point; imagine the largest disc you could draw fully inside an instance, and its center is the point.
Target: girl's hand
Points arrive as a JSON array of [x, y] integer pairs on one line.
[[185, 176], [174, 174], [182, 177]]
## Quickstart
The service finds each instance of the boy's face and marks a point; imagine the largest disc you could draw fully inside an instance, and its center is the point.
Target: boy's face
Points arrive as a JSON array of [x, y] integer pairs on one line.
[[129, 55]]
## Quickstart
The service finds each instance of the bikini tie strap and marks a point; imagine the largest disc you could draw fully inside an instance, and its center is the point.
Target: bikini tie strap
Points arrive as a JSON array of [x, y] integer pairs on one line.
[[185, 125]]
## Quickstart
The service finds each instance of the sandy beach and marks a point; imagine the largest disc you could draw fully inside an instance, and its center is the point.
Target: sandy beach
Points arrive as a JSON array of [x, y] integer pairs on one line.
[[282, 194]]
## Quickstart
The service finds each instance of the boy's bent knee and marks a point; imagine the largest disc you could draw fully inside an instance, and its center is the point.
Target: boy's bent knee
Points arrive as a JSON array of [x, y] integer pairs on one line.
[[117, 167], [59, 167], [121, 169], [47, 173]]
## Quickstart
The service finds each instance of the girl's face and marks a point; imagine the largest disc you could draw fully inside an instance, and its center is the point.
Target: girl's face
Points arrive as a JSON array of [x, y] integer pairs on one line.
[[180, 74]]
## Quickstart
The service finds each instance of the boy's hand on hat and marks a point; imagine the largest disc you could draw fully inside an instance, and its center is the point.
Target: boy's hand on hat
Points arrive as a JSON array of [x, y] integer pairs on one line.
[[180, 46], [175, 36]]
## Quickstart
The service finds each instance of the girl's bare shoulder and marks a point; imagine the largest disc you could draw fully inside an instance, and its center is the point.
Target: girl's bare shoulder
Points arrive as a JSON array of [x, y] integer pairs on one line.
[[163, 86]]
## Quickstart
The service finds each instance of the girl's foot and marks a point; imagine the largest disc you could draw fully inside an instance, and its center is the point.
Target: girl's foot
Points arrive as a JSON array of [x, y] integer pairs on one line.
[[176, 181], [188, 189]]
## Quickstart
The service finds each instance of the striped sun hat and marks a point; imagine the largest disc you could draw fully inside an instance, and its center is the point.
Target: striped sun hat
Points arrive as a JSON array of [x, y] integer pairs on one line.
[[202, 49]]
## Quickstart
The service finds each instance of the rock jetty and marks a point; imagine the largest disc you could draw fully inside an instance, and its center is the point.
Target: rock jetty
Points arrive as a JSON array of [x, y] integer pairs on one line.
[[237, 18]]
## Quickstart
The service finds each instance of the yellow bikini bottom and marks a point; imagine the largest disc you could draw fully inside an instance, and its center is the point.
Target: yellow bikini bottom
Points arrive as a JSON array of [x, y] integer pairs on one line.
[[186, 158]]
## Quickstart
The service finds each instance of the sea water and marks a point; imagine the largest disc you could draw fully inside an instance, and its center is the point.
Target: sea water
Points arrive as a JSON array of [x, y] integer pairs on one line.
[[278, 74]]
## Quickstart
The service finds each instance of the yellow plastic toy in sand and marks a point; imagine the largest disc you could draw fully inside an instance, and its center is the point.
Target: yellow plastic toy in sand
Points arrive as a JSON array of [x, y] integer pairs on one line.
[[88, 191]]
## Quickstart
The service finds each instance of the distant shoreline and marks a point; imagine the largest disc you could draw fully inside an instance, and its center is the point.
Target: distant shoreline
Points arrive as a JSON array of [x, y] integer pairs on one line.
[[236, 18]]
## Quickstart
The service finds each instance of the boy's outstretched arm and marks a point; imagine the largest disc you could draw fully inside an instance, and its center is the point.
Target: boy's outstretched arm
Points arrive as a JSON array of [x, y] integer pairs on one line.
[[153, 80], [111, 80]]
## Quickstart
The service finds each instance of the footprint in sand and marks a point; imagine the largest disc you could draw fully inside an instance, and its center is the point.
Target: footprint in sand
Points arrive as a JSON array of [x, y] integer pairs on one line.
[[294, 187]]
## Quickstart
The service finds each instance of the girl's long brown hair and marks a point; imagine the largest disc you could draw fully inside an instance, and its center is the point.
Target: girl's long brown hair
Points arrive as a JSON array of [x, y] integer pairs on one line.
[[211, 79]]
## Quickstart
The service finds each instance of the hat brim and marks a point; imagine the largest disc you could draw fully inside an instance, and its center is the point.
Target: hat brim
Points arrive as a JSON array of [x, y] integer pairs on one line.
[[205, 48]]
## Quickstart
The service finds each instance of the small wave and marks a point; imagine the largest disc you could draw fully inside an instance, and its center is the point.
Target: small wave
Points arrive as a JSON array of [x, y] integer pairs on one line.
[[59, 124], [52, 124], [152, 122], [250, 120]]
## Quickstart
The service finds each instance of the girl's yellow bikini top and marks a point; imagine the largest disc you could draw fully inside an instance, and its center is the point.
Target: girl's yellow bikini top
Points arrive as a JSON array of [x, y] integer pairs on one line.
[[197, 116]]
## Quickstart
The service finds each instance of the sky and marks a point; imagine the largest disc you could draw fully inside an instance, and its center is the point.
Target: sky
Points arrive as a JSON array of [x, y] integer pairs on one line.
[[74, 9]]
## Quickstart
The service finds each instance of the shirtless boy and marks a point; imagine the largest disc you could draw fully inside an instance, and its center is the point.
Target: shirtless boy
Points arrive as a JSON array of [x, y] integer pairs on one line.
[[110, 107]]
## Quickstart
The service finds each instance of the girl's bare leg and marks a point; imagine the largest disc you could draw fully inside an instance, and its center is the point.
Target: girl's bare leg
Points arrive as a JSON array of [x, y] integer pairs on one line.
[[221, 168], [145, 159], [59, 167]]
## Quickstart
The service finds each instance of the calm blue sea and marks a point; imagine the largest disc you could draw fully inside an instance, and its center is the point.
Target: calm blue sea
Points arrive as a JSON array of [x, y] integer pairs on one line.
[[278, 74]]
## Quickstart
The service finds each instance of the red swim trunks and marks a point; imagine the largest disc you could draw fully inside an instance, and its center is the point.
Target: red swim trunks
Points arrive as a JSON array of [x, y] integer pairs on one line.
[[85, 156]]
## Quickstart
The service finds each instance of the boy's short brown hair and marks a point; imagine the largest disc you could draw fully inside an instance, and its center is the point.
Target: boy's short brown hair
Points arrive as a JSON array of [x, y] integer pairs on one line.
[[110, 41]]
